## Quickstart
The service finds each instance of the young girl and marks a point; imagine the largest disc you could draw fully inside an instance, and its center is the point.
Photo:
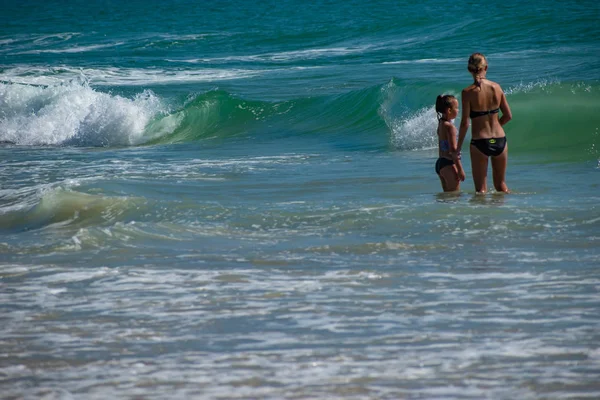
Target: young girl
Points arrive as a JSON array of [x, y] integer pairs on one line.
[[448, 165]]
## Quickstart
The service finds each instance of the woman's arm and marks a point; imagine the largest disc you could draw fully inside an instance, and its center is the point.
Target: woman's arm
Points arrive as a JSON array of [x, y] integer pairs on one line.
[[464, 119], [505, 108]]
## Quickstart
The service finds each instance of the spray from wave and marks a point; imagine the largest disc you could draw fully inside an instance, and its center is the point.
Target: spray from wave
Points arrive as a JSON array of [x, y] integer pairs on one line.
[[409, 129], [75, 114]]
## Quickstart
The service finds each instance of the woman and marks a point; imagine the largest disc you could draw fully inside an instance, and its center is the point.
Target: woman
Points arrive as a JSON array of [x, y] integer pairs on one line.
[[481, 103]]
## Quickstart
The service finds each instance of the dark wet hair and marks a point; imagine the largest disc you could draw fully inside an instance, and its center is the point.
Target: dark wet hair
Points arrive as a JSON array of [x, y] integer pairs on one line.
[[442, 104]]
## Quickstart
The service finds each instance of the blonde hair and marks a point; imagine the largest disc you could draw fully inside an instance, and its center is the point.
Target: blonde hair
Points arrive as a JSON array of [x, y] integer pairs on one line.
[[477, 65]]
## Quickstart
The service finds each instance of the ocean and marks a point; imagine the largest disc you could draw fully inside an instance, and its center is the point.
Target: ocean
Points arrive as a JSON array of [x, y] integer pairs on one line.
[[237, 200]]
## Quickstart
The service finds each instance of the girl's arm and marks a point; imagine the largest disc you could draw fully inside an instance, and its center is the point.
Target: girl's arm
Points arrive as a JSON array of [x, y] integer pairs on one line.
[[454, 152], [505, 108], [464, 119]]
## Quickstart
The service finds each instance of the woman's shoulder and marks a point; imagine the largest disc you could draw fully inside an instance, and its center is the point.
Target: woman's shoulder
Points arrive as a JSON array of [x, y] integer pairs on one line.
[[495, 85], [469, 91]]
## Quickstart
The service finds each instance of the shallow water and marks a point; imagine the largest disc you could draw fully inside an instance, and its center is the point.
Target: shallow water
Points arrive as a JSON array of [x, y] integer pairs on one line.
[[235, 201]]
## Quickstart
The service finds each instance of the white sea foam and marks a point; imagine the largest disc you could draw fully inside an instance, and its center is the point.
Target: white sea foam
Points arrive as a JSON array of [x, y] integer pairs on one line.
[[37, 44], [483, 276], [190, 37], [523, 87], [119, 76], [75, 114], [411, 130], [416, 131], [28, 41], [61, 36], [427, 61], [296, 55], [74, 49], [520, 54]]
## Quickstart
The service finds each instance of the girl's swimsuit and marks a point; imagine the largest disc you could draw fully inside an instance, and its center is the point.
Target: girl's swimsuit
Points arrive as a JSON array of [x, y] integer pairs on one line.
[[441, 163], [444, 145]]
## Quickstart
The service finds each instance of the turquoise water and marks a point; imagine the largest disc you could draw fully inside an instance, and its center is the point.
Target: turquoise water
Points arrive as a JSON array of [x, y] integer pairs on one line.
[[206, 200]]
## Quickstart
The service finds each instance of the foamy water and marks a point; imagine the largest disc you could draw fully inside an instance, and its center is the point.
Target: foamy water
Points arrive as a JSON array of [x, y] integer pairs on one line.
[[240, 202], [75, 114]]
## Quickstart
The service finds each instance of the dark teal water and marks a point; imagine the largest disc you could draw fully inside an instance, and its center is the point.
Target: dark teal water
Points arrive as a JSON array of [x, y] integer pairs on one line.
[[207, 200]]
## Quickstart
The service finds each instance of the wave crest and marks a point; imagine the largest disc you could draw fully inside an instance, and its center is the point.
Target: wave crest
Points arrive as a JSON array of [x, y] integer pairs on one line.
[[75, 114], [549, 118]]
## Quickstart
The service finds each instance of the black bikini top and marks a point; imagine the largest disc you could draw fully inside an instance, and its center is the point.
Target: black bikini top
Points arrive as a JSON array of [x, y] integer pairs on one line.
[[475, 114]]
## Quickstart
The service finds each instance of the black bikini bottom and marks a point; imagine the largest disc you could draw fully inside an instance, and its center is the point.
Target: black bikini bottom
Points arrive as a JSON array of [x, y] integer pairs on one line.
[[441, 163], [490, 147]]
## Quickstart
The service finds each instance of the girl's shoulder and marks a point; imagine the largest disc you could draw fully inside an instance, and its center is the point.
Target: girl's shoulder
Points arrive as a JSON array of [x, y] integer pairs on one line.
[[445, 125]]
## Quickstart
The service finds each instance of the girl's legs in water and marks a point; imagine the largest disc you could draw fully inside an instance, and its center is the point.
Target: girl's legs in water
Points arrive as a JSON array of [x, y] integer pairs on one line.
[[449, 178], [443, 183]]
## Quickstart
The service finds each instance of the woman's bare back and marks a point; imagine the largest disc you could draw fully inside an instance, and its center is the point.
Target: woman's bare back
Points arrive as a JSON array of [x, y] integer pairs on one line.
[[485, 98]]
